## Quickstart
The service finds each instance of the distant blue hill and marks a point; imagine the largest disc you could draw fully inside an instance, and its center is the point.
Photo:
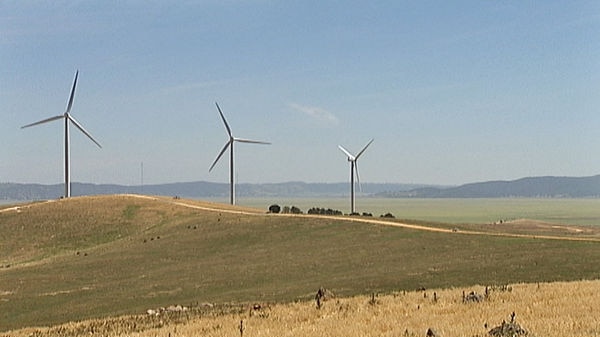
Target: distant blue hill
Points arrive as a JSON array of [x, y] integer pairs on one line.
[[533, 187], [199, 189]]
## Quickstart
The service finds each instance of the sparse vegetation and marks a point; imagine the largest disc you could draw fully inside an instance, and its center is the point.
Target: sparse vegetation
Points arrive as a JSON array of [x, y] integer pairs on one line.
[[549, 309]]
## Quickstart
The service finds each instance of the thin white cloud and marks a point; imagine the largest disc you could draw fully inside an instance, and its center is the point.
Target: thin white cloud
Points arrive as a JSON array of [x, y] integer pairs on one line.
[[319, 114]]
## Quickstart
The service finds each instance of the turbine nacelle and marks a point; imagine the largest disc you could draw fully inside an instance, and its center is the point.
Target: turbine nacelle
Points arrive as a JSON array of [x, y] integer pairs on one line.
[[347, 153]]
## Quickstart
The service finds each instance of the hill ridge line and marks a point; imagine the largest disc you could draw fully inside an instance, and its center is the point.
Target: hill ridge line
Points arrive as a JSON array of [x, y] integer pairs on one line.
[[374, 222]]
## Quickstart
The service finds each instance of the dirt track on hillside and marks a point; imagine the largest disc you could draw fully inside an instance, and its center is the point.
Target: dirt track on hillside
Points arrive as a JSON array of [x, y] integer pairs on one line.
[[235, 210], [214, 207]]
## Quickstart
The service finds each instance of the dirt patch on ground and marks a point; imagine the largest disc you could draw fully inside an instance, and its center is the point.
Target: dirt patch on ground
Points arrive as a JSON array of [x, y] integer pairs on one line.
[[533, 229], [548, 227]]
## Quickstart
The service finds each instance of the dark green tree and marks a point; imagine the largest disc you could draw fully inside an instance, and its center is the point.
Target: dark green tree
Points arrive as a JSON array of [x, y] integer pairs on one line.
[[274, 208]]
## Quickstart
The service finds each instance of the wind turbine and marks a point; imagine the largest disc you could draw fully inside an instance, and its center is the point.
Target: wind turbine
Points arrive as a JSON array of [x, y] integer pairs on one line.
[[68, 118], [353, 165], [229, 145]]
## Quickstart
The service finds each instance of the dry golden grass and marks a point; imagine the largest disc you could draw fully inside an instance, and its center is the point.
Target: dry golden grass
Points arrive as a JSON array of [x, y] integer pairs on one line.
[[202, 205], [548, 309]]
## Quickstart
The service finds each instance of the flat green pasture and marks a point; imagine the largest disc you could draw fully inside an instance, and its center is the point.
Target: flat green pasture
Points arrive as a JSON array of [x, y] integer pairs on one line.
[[474, 211]]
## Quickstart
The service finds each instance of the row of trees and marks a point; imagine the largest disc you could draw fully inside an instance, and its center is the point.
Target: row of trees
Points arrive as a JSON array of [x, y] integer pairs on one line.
[[295, 210], [316, 210], [323, 211]]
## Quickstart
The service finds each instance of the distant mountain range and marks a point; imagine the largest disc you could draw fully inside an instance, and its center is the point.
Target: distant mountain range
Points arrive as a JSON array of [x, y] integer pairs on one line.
[[199, 189], [534, 187]]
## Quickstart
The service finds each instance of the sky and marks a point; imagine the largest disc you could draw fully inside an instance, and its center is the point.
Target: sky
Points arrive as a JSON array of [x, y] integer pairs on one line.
[[452, 91]]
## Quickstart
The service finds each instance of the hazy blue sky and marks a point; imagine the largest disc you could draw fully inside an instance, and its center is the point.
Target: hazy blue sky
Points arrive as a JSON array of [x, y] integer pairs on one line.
[[452, 91]]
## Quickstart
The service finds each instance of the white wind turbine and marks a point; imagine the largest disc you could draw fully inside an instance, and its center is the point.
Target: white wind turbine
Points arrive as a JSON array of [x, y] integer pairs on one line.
[[229, 144], [68, 118], [353, 165]]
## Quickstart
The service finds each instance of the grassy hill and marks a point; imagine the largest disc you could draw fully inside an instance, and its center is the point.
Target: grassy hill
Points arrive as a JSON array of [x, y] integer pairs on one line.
[[92, 257]]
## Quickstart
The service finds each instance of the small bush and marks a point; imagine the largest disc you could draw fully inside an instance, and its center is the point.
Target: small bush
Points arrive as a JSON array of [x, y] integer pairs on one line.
[[292, 210]]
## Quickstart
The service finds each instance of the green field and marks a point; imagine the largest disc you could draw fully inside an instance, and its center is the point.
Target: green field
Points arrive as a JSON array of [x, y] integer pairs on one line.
[[564, 211], [105, 256]]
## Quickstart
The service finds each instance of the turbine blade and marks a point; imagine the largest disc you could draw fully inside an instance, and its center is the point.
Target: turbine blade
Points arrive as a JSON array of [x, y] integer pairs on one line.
[[72, 93], [364, 148], [242, 140], [224, 121], [44, 121], [219, 156], [350, 156], [357, 175], [83, 130]]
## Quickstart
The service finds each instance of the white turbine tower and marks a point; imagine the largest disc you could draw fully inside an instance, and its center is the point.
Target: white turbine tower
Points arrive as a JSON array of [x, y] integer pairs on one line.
[[353, 166], [229, 144], [68, 118]]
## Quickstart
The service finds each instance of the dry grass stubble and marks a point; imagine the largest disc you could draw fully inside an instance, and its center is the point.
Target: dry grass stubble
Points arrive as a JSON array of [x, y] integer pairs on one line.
[[546, 309]]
